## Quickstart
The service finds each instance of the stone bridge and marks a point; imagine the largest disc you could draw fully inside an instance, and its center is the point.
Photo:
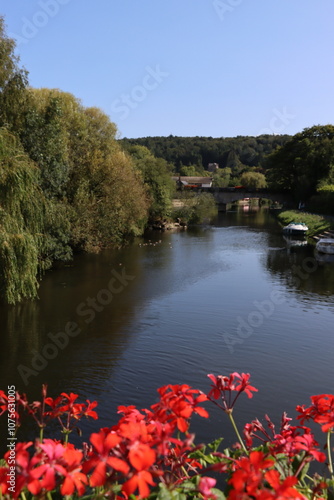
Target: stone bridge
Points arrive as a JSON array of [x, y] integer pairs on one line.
[[225, 196]]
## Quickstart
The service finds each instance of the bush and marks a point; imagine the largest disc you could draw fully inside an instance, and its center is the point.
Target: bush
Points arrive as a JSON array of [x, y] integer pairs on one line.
[[198, 208], [323, 201]]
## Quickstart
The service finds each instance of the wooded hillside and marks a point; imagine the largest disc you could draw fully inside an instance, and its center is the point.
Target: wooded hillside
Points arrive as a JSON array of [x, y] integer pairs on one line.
[[236, 153]]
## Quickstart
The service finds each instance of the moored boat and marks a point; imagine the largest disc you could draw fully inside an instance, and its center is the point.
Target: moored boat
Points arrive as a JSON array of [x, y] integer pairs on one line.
[[325, 245], [298, 229]]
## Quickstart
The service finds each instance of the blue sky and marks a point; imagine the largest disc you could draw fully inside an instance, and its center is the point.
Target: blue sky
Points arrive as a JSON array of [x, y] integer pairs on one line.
[[217, 68]]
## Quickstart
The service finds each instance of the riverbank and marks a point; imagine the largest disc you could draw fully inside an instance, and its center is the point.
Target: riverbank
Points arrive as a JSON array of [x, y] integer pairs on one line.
[[316, 224]]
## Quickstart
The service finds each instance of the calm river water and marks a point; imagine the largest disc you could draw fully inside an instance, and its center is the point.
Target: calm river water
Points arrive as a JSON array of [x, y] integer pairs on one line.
[[231, 297]]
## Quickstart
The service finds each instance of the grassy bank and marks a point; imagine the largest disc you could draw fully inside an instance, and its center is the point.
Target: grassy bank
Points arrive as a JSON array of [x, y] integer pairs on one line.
[[316, 223]]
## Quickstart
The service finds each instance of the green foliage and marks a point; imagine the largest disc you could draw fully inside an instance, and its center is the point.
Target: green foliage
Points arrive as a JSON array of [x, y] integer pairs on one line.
[[56, 244], [13, 81], [84, 173], [222, 177], [323, 200], [197, 208], [22, 212], [44, 139], [237, 153], [76, 190], [156, 174], [315, 223], [253, 180], [193, 171], [106, 191], [326, 188], [303, 162]]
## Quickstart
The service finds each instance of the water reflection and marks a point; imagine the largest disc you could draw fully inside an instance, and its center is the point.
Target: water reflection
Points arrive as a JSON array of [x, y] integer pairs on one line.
[[70, 295], [299, 267], [74, 295], [169, 324]]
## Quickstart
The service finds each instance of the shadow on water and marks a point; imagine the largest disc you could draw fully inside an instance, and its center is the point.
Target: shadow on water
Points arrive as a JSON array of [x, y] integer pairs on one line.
[[75, 299], [301, 270]]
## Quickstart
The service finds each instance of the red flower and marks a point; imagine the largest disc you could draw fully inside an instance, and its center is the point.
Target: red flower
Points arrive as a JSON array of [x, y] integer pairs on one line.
[[140, 480], [75, 479], [4, 405], [141, 456], [100, 458], [65, 408], [89, 411], [223, 387], [177, 404], [74, 409], [52, 464], [283, 490], [134, 430], [4, 485], [321, 411], [3, 402], [248, 476], [204, 487], [24, 477], [308, 444]]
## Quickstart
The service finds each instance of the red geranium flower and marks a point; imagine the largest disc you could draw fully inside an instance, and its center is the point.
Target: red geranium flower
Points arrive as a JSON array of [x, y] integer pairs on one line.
[[51, 465], [75, 479], [283, 490], [24, 468], [140, 480], [177, 404], [321, 411], [89, 411], [223, 387], [100, 458], [249, 472]]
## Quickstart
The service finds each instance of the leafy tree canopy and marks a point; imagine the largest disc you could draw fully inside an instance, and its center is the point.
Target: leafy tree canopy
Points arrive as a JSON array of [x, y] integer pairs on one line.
[[156, 174], [306, 160], [13, 81], [253, 180], [237, 153]]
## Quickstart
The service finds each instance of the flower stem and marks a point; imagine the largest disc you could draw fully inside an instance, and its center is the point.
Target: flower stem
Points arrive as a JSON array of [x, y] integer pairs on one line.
[[330, 454], [236, 431]]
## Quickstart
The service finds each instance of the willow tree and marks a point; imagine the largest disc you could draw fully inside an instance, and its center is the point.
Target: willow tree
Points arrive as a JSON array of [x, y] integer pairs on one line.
[[13, 81], [22, 212]]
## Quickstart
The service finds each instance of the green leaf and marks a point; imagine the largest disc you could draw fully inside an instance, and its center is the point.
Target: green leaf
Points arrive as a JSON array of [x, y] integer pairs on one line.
[[214, 445], [218, 493]]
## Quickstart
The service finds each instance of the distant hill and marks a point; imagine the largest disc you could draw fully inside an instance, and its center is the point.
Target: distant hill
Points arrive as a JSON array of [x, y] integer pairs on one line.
[[237, 153]]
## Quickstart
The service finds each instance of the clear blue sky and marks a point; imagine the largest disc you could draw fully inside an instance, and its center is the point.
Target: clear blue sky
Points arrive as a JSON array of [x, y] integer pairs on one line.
[[184, 67]]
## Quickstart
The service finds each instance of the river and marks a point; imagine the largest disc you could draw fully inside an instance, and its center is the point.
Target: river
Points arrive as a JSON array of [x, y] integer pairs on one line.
[[171, 308]]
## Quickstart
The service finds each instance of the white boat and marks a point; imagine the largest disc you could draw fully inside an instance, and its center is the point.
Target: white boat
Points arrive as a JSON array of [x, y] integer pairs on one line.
[[325, 245], [295, 242], [295, 229]]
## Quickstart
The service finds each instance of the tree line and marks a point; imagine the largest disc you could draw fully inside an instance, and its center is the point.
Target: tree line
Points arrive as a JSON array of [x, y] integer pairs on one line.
[[302, 164], [236, 153], [238, 160], [66, 183]]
